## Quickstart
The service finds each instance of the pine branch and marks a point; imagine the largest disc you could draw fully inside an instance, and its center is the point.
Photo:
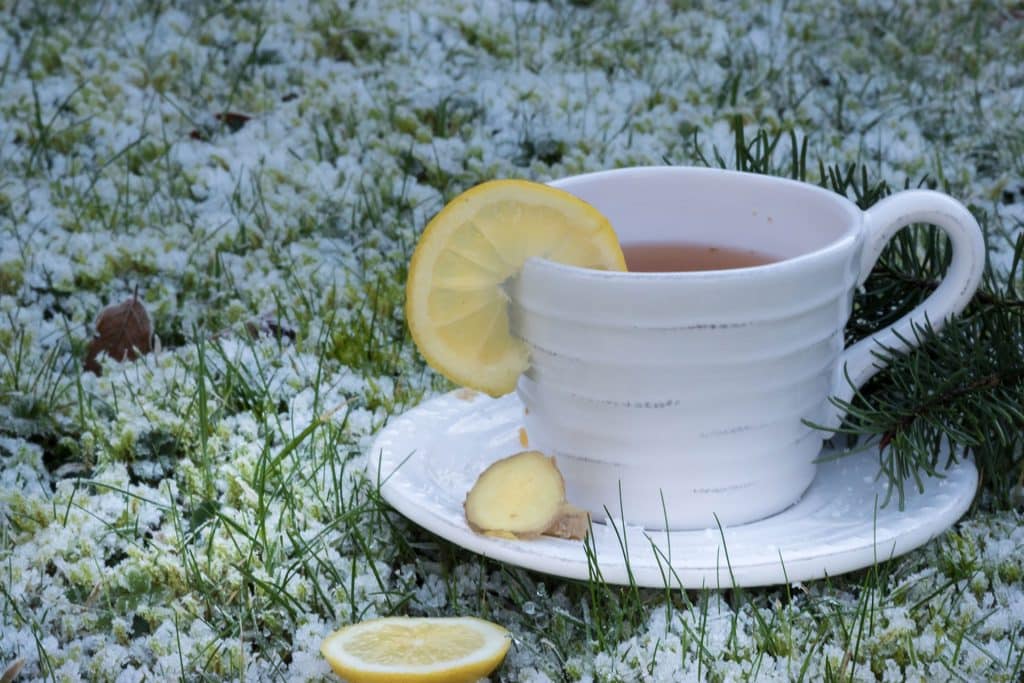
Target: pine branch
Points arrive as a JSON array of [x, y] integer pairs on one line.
[[959, 391]]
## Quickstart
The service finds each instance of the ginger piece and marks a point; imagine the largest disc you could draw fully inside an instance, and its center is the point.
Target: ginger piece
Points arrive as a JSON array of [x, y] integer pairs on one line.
[[572, 522], [523, 495]]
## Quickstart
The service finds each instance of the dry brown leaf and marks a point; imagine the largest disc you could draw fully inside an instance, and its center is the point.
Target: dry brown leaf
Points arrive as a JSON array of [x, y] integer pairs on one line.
[[123, 331], [233, 119], [268, 325], [12, 671]]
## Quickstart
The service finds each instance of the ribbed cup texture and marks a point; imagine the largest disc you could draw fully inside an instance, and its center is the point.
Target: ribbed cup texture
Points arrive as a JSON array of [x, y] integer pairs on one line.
[[685, 397], [704, 411]]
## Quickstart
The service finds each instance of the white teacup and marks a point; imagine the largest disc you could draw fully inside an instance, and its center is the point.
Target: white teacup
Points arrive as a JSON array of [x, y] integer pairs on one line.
[[686, 395]]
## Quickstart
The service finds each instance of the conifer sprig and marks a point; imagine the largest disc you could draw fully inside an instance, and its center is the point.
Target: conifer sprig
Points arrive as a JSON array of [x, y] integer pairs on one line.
[[959, 391]]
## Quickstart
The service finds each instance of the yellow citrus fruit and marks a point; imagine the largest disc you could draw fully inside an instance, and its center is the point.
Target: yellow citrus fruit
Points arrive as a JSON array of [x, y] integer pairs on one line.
[[416, 650], [455, 301]]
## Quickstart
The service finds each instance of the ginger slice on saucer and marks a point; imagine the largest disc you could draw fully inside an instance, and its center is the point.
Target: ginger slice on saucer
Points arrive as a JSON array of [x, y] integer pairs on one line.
[[572, 522], [523, 496]]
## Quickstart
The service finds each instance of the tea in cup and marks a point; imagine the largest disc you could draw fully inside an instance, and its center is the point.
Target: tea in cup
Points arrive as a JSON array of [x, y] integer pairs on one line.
[[682, 394]]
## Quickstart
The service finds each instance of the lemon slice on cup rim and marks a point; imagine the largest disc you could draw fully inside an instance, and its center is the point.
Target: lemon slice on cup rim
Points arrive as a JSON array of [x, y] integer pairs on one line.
[[417, 649], [456, 306]]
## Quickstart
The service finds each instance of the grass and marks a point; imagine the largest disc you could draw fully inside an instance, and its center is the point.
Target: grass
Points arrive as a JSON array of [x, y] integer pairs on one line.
[[203, 513]]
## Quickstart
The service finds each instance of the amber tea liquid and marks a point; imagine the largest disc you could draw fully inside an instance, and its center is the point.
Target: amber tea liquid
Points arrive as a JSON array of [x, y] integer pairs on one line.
[[671, 257]]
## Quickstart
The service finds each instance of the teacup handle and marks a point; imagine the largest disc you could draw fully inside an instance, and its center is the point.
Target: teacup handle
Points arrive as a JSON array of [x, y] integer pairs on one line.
[[883, 220]]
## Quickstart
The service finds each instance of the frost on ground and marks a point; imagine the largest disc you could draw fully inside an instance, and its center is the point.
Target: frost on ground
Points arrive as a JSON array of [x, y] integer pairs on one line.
[[259, 172]]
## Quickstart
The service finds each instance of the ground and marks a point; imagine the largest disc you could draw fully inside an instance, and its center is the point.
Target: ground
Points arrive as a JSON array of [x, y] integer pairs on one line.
[[257, 174]]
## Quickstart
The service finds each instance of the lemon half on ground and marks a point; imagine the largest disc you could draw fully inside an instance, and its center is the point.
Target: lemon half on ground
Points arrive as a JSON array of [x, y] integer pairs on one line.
[[455, 303], [417, 650]]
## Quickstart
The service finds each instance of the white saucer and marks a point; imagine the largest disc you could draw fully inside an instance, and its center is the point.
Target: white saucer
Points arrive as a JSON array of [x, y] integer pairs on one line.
[[428, 458]]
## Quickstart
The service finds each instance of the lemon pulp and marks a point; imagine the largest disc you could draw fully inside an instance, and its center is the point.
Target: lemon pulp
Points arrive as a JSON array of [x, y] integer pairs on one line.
[[451, 649], [456, 306]]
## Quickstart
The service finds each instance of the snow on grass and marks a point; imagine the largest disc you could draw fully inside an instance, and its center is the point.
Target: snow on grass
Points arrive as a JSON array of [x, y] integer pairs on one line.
[[267, 166]]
